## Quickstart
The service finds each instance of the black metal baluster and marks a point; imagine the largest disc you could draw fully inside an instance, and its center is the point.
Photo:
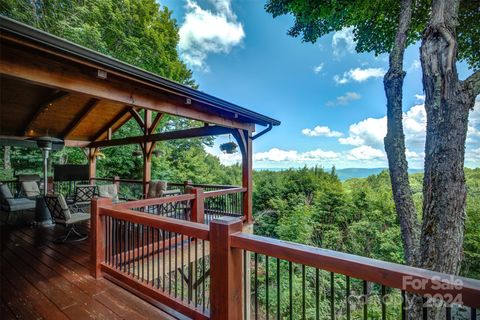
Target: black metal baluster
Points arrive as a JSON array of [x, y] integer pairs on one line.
[[278, 289], [424, 309], [256, 285], [143, 252], [169, 263], [332, 295], [266, 286], [203, 274], [182, 273], [348, 297], [158, 258], [317, 294], [189, 272], [365, 300], [245, 284], [473, 314], [290, 287], [404, 302], [176, 257], [448, 312], [196, 272], [303, 292], [163, 253], [384, 306]]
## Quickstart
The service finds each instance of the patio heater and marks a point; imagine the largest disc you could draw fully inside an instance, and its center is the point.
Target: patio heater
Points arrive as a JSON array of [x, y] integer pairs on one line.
[[46, 144]]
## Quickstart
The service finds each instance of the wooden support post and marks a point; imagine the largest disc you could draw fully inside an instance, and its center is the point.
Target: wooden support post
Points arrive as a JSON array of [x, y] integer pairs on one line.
[[247, 173], [198, 205], [97, 235], [92, 163], [225, 270], [147, 155]]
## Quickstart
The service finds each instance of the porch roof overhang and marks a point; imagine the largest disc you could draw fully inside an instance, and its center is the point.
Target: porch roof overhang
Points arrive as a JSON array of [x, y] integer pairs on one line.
[[55, 87]]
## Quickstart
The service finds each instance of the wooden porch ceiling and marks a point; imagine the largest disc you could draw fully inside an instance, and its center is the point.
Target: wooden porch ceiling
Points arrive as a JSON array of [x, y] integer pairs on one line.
[[51, 86]]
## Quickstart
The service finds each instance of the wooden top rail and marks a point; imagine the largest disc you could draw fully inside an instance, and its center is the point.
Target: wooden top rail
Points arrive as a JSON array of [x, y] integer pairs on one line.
[[191, 229], [392, 275], [153, 201], [216, 193]]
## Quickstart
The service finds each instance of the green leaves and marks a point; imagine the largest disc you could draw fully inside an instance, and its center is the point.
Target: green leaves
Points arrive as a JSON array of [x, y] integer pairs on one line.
[[375, 22]]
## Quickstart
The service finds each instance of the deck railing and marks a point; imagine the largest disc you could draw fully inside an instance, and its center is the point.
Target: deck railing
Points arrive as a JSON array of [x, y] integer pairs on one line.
[[237, 275]]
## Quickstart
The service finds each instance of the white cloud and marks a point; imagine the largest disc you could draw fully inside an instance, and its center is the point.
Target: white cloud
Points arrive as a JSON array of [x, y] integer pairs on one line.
[[414, 66], [420, 97], [366, 132], [345, 99], [318, 68], [321, 131], [343, 42], [359, 75], [204, 32], [365, 153], [279, 155]]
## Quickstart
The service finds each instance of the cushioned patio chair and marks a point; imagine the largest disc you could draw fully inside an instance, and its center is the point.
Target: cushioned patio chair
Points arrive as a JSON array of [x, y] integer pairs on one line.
[[66, 215], [84, 193], [30, 189], [10, 204], [158, 189], [110, 191]]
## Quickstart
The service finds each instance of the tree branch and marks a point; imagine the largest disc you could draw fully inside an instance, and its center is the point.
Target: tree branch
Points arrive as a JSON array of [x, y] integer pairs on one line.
[[474, 82]]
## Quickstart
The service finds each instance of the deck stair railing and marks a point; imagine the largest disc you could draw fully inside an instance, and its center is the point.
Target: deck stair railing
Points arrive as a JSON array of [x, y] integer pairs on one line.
[[217, 271]]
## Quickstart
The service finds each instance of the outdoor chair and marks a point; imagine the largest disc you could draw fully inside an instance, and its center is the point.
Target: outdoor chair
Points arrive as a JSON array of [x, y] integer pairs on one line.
[[110, 191], [158, 189], [84, 193], [30, 189], [10, 204], [67, 215]]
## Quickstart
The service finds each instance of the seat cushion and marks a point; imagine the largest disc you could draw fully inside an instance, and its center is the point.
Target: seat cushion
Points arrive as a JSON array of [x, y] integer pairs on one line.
[[78, 217], [30, 188], [21, 204], [108, 191]]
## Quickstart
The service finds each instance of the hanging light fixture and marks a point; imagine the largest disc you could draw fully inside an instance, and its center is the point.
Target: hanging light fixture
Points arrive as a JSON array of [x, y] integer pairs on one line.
[[229, 147]]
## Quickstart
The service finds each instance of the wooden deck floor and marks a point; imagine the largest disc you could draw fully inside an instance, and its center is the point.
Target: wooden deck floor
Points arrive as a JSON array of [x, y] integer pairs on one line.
[[42, 280]]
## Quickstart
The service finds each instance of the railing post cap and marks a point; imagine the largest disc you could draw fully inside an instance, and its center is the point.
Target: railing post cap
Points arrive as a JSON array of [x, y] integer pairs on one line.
[[226, 220]]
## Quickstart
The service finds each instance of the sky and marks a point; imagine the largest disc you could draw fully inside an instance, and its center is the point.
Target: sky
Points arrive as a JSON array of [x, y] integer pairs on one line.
[[330, 99]]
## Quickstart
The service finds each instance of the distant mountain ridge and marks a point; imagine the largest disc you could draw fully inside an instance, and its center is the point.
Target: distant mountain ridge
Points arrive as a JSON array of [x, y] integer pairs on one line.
[[350, 173]]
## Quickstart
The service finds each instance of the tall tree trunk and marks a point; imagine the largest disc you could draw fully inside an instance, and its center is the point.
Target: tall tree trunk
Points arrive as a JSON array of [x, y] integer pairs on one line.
[[447, 103], [395, 139]]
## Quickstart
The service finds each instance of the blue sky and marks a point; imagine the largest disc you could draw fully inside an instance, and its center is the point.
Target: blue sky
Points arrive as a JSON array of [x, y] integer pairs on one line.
[[329, 98]]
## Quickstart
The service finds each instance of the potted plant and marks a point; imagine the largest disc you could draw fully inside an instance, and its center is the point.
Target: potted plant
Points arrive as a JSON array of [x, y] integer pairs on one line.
[[229, 147]]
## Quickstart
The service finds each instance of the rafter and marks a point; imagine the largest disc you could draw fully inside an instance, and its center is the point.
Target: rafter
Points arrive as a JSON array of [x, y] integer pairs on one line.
[[84, 112], [112, 122], [173, 135], [57, 95]]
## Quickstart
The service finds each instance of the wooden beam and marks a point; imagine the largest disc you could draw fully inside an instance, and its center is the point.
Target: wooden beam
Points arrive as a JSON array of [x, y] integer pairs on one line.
[[156, 122], [173, 135], [84, 112], [72, 77], [137, 118], [105, 128], [57, 95]]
